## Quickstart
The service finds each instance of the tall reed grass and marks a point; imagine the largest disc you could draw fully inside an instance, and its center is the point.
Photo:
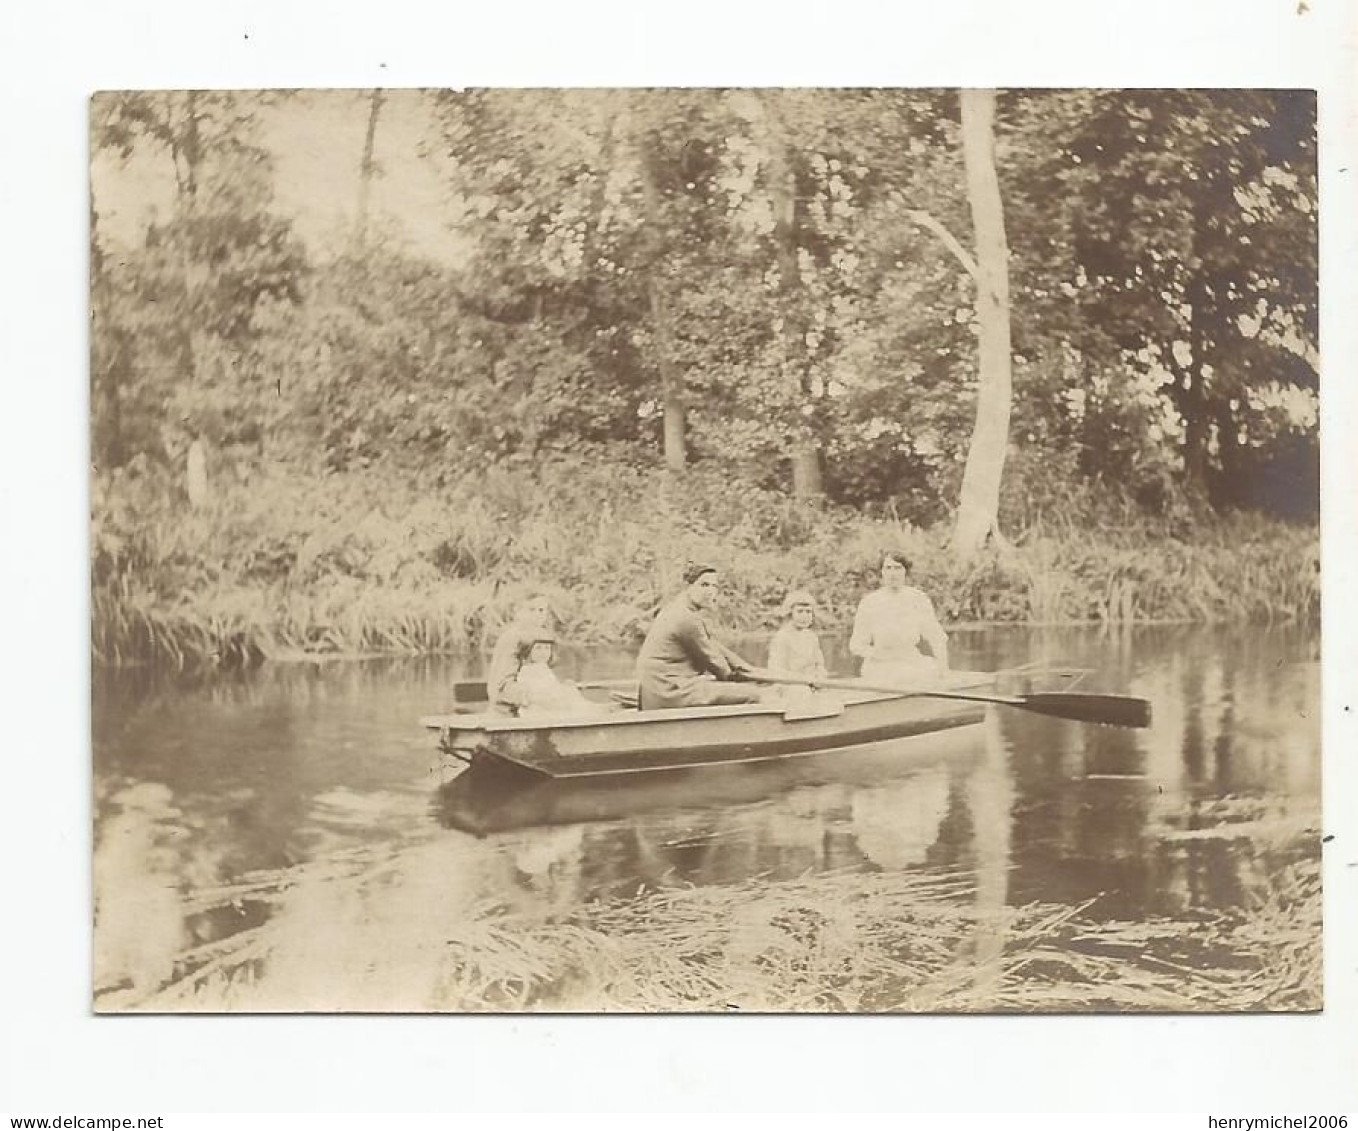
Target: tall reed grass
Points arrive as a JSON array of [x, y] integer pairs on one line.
[[307, 563]]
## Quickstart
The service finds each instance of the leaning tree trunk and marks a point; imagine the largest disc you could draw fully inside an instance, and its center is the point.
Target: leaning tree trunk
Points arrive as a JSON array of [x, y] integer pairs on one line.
[[979, 503], [366, 169]]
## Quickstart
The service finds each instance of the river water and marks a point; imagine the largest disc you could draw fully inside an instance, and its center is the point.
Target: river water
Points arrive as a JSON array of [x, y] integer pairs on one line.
[[306, 801]]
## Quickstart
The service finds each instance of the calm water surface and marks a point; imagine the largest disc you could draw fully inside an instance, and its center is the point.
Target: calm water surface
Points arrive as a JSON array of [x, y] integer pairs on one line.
[[213, 786]]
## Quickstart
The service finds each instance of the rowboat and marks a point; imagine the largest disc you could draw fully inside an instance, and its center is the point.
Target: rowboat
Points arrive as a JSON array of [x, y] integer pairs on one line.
[[631, 741], [489, 798]]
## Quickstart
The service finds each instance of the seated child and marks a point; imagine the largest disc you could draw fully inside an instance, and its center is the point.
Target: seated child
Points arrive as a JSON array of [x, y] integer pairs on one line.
[[537, 689], [795, 648]]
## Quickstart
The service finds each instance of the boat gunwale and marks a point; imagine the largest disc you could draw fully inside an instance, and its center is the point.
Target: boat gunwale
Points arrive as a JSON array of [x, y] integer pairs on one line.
[[665, 761], [789, 711]]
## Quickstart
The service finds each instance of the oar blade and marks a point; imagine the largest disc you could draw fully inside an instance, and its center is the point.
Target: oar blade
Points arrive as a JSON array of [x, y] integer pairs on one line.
[[1111, 710]]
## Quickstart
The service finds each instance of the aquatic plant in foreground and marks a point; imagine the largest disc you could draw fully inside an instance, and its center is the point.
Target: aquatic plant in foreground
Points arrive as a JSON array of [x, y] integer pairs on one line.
[[400, 932]]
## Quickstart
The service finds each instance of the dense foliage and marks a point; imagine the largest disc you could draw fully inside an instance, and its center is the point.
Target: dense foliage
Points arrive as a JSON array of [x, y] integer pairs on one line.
[[767, 292]]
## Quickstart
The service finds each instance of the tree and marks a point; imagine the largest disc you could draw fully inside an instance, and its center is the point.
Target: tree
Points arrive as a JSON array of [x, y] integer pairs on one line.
[[648, 142], [978, 504], [789, 131], [1195, 229], [549, 275], [176, 329], [591, 214]]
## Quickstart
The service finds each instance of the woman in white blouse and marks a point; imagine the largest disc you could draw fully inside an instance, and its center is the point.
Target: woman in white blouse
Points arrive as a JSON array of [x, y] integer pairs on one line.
[[891, 624]]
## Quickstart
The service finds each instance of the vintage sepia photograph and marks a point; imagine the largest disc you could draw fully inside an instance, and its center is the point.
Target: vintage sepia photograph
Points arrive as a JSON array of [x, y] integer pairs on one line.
[[705, 550]]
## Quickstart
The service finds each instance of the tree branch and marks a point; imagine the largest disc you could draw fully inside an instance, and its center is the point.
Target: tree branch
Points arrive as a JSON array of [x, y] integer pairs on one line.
[[924, 220]]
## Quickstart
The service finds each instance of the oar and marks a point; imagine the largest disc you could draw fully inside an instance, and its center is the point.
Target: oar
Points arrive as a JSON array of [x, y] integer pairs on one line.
[[1111, 710]]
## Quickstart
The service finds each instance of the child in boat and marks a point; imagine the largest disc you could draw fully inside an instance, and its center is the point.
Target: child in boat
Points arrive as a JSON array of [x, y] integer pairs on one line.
[[533, 617], [539, 691], [795, 648]]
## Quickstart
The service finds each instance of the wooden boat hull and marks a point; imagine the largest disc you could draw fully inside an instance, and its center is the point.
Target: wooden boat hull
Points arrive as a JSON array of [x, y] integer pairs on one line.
[[490, 797], [639, 741]]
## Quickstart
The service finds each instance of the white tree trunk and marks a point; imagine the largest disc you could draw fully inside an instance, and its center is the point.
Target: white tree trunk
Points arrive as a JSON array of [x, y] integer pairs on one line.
[[808, 478], [979, 503], [676, 444], [196, 474]]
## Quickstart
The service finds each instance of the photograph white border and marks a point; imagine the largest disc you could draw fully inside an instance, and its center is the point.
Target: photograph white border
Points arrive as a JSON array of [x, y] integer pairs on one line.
[[57, 1057]]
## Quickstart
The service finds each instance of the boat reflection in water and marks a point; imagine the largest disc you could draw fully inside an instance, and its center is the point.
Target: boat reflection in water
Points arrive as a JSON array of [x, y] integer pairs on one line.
[[280, 845], [813, 831]]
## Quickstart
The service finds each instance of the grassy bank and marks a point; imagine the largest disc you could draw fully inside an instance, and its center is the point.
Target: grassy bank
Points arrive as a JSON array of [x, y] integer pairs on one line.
[[291, 562]]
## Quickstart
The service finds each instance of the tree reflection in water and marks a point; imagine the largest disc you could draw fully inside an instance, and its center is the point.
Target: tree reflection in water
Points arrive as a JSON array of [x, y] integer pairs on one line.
[[1034, 864]]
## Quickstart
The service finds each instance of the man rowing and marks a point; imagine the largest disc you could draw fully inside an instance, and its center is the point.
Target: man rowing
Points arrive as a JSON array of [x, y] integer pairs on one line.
[[680, 664]]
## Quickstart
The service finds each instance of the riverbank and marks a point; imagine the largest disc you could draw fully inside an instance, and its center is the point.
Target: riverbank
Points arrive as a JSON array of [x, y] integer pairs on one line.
[[284, 562]]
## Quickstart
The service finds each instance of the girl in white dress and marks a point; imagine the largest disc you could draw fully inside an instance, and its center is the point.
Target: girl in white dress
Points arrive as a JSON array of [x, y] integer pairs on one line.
[[538, 689], [891, 624], [795, 648]]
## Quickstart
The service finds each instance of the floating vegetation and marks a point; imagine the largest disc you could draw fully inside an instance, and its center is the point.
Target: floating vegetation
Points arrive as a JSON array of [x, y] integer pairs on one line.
[[400, 931]]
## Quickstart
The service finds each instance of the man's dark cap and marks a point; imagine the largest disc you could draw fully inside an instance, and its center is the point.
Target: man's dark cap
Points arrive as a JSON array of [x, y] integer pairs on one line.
[[695, 570]]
